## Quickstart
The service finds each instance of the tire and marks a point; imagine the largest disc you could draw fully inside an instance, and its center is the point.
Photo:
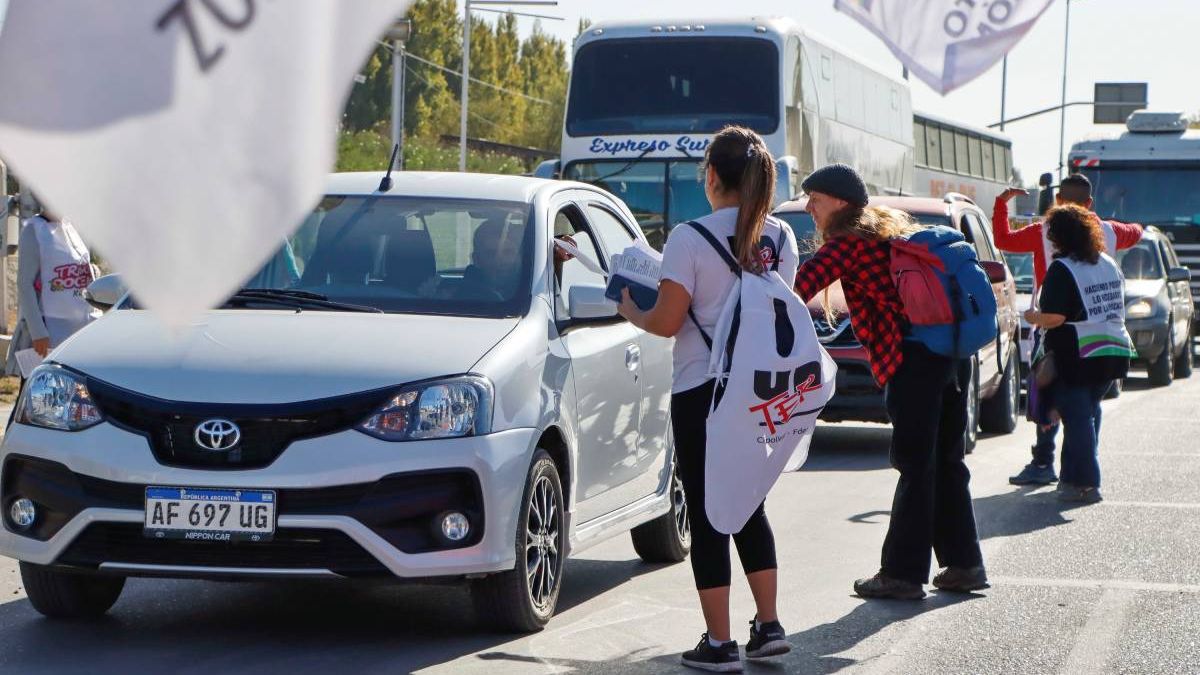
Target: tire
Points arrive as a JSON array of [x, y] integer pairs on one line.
[[998, 414], [1162, 370], [971, 433], [667, 538], [67, 595], [517, 600], [1183, 365]]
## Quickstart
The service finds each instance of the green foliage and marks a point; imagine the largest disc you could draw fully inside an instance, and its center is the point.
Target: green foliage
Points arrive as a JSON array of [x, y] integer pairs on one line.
[[536, 66]]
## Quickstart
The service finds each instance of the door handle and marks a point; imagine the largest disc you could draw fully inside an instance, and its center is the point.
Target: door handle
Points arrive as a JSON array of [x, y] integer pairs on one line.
[[633, 358]]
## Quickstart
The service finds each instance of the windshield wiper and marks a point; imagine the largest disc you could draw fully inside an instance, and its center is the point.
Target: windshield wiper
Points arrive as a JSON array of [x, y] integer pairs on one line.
[[297, 299], [628, 166]]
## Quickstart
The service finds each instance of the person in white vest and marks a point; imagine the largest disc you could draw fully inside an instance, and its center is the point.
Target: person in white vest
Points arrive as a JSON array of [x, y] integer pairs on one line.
[[740, 184], [54, 266], [1082, 311]]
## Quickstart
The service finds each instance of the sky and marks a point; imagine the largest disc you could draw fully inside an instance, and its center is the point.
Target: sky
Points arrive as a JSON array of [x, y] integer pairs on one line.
[[1110, 41]]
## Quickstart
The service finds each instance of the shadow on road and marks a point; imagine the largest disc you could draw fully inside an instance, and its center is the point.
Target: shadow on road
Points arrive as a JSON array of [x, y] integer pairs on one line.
[[1020, 511], [294, 627], [846, 447]]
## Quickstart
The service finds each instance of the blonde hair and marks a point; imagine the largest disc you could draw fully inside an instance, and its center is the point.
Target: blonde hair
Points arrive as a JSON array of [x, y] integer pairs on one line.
[[873, 223]]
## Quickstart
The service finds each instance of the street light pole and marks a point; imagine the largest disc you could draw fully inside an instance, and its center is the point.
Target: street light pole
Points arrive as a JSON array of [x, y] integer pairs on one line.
[[1004, 89], [1062, 120], [398, 99]]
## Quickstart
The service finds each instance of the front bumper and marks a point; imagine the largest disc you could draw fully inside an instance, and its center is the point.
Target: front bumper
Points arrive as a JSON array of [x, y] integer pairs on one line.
[[857, 398], [347, 505], [1150, 337]]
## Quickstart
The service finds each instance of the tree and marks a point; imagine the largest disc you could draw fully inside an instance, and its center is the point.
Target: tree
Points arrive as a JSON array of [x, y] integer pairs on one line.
[[544, 68]]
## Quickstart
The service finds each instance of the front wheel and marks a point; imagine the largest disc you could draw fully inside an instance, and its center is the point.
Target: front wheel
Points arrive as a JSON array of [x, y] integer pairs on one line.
[[998, 414], [667, 538], [1183, 366], [1162, 370], [68, 595], [523, 599]]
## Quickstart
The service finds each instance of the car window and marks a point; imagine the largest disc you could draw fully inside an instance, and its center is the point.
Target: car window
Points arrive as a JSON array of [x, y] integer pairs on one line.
[[973, 230], [614, 235], [1141, 261], [1168, 254], [569, 221]]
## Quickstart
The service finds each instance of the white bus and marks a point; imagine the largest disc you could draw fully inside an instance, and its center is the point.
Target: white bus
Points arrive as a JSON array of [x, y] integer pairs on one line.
[[1150, 174], [646, 98], [954, 157]]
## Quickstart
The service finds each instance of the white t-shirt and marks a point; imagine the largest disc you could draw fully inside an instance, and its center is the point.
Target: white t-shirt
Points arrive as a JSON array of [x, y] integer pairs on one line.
[[690, 261]]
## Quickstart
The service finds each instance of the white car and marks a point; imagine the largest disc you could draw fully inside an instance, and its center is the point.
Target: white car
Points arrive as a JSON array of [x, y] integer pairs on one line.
[[412, 387]]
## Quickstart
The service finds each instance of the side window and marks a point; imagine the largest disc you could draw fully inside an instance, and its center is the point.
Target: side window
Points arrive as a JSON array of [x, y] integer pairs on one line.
[[989, 159], [569, 221], [962, 163], [976, 157], [975, 231], [1168, 255], [614, 235], [919, 145]]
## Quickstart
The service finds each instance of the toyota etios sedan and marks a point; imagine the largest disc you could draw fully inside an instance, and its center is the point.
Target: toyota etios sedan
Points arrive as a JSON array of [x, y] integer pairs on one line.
[[414, 386]]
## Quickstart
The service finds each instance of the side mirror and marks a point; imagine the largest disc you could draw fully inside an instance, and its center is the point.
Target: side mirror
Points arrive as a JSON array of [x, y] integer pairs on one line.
[[996, 271], [1176, 274], [589, 302], [104, 293]]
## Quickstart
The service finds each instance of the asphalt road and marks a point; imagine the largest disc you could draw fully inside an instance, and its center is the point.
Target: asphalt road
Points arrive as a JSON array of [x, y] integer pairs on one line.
[[1107, 588]]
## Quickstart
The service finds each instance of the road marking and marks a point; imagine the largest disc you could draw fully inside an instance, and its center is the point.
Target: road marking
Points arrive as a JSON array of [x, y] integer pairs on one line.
[[1119, 584], [1122, 453], [1153, 505], [1098, 638]]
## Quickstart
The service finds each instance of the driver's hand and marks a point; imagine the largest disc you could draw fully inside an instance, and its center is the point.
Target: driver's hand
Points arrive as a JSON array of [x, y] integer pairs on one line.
[[561, 255], [1013, 192]]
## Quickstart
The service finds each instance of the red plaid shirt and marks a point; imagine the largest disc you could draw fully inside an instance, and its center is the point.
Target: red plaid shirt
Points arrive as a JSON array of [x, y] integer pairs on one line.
[[863, 266]]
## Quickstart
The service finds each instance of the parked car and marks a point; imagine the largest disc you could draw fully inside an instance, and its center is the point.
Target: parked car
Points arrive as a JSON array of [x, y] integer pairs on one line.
[[1021, 266], [1158, 307], [995, 394], [411, 388]]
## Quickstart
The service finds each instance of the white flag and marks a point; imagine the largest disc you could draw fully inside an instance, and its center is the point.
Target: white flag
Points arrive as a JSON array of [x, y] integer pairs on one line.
[[947, 43], [184, 138]]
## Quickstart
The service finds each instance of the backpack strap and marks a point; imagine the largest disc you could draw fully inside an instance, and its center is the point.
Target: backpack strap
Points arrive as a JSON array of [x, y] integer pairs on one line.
[[726, 257], [779, 248]]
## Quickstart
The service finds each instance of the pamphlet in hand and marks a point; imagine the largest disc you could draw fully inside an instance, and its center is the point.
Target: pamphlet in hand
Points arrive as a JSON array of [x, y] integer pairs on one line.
[[637, 268]]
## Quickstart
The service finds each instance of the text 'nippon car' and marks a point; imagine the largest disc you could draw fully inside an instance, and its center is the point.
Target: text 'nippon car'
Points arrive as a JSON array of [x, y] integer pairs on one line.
[[414, 386]]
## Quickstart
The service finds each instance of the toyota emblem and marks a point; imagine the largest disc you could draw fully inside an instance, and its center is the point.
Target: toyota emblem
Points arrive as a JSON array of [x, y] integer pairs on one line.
[[217, 435]]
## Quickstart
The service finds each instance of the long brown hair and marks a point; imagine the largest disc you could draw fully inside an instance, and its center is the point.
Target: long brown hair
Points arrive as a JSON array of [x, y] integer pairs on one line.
[[1075, 232], [742, 162], [875, 223]]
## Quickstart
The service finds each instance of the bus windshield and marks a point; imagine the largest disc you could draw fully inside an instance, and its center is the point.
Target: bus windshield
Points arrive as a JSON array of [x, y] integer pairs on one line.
[[661, 194], [1146, 194], [674, 85]]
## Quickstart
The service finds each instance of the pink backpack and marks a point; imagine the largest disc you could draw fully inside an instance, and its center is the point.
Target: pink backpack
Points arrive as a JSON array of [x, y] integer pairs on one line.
[[922, 293]]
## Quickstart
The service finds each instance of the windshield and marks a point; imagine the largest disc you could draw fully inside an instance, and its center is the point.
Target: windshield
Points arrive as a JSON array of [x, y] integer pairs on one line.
[[1141, 261], [674, 85], [660, 193], [1021, 265], [409, 255], [1149, 195], [806, 230]]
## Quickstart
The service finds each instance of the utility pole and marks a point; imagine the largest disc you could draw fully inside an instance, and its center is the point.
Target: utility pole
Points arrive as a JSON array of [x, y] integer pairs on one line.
[[1062, 123], [1004, 89], [399, 33]]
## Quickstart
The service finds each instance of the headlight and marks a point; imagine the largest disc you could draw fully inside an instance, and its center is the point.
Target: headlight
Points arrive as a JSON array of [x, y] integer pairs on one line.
[[56, 398], [1139, 309], [451, 408]]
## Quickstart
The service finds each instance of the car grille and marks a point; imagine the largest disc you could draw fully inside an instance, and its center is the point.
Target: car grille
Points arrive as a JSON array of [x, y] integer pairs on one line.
[[266, 429], [289, 549]]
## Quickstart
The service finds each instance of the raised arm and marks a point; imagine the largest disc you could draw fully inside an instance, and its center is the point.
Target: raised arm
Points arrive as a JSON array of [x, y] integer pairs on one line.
[[1025, 240]]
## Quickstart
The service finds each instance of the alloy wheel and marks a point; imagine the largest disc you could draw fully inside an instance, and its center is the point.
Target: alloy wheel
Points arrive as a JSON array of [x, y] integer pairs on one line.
[[543, 550]]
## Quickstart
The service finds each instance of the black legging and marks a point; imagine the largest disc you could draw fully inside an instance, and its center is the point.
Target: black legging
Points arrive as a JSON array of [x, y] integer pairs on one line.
[[710, 549]]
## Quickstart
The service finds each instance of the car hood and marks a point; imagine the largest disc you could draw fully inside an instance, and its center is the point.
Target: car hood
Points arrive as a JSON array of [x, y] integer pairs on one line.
[[244, 356], [1143, 288]]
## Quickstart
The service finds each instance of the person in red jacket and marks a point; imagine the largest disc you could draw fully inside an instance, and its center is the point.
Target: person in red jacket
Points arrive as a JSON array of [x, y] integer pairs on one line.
[[1074, 189]]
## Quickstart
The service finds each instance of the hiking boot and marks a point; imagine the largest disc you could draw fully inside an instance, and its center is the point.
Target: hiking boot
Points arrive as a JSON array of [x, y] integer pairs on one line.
[[961, 579], [1035, 474], [883, 586], [769, 640], [1080, 494], [723, 659], [1064, 486]]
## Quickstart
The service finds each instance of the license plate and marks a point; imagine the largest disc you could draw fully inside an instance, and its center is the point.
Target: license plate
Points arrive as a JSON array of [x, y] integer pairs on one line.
[[203, 514]]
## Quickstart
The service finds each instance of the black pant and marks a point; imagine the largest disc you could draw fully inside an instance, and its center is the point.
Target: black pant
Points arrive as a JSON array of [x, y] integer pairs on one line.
[[710, 549], [932, 507]]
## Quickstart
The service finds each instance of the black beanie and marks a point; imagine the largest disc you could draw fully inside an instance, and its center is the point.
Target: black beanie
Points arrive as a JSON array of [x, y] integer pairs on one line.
[[837, 180]]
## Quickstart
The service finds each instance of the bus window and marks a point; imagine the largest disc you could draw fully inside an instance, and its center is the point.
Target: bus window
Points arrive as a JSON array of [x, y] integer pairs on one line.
[[919, 142], [947, 149], [934, 155], [1001, 168], [960, 153], [989, 160], [1007, 163], [976, 157]]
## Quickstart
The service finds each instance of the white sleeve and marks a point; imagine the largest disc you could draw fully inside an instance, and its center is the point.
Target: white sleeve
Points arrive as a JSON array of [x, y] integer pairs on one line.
[[679, 258], [789, 261]]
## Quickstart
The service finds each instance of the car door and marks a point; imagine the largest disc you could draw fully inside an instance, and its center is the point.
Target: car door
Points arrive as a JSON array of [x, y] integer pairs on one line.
[[645, 466], [1180, 295], [605, 372], [991, 357]]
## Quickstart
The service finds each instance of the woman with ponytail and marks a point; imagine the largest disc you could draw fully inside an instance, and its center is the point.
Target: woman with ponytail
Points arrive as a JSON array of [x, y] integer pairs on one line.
[[739, 181], [925, 393]]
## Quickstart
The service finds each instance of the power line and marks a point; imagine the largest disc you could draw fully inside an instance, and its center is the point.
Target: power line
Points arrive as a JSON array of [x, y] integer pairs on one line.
[[497, 87], [472, 113]]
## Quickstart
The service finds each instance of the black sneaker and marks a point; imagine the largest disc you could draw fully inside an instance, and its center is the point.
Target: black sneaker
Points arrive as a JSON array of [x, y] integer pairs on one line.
[[723, 659], [770, 640]]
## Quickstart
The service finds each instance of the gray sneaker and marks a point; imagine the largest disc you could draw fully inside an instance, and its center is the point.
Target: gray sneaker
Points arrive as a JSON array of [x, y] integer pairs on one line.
[[1064, 486], [1082, 495], [1035, 474]]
